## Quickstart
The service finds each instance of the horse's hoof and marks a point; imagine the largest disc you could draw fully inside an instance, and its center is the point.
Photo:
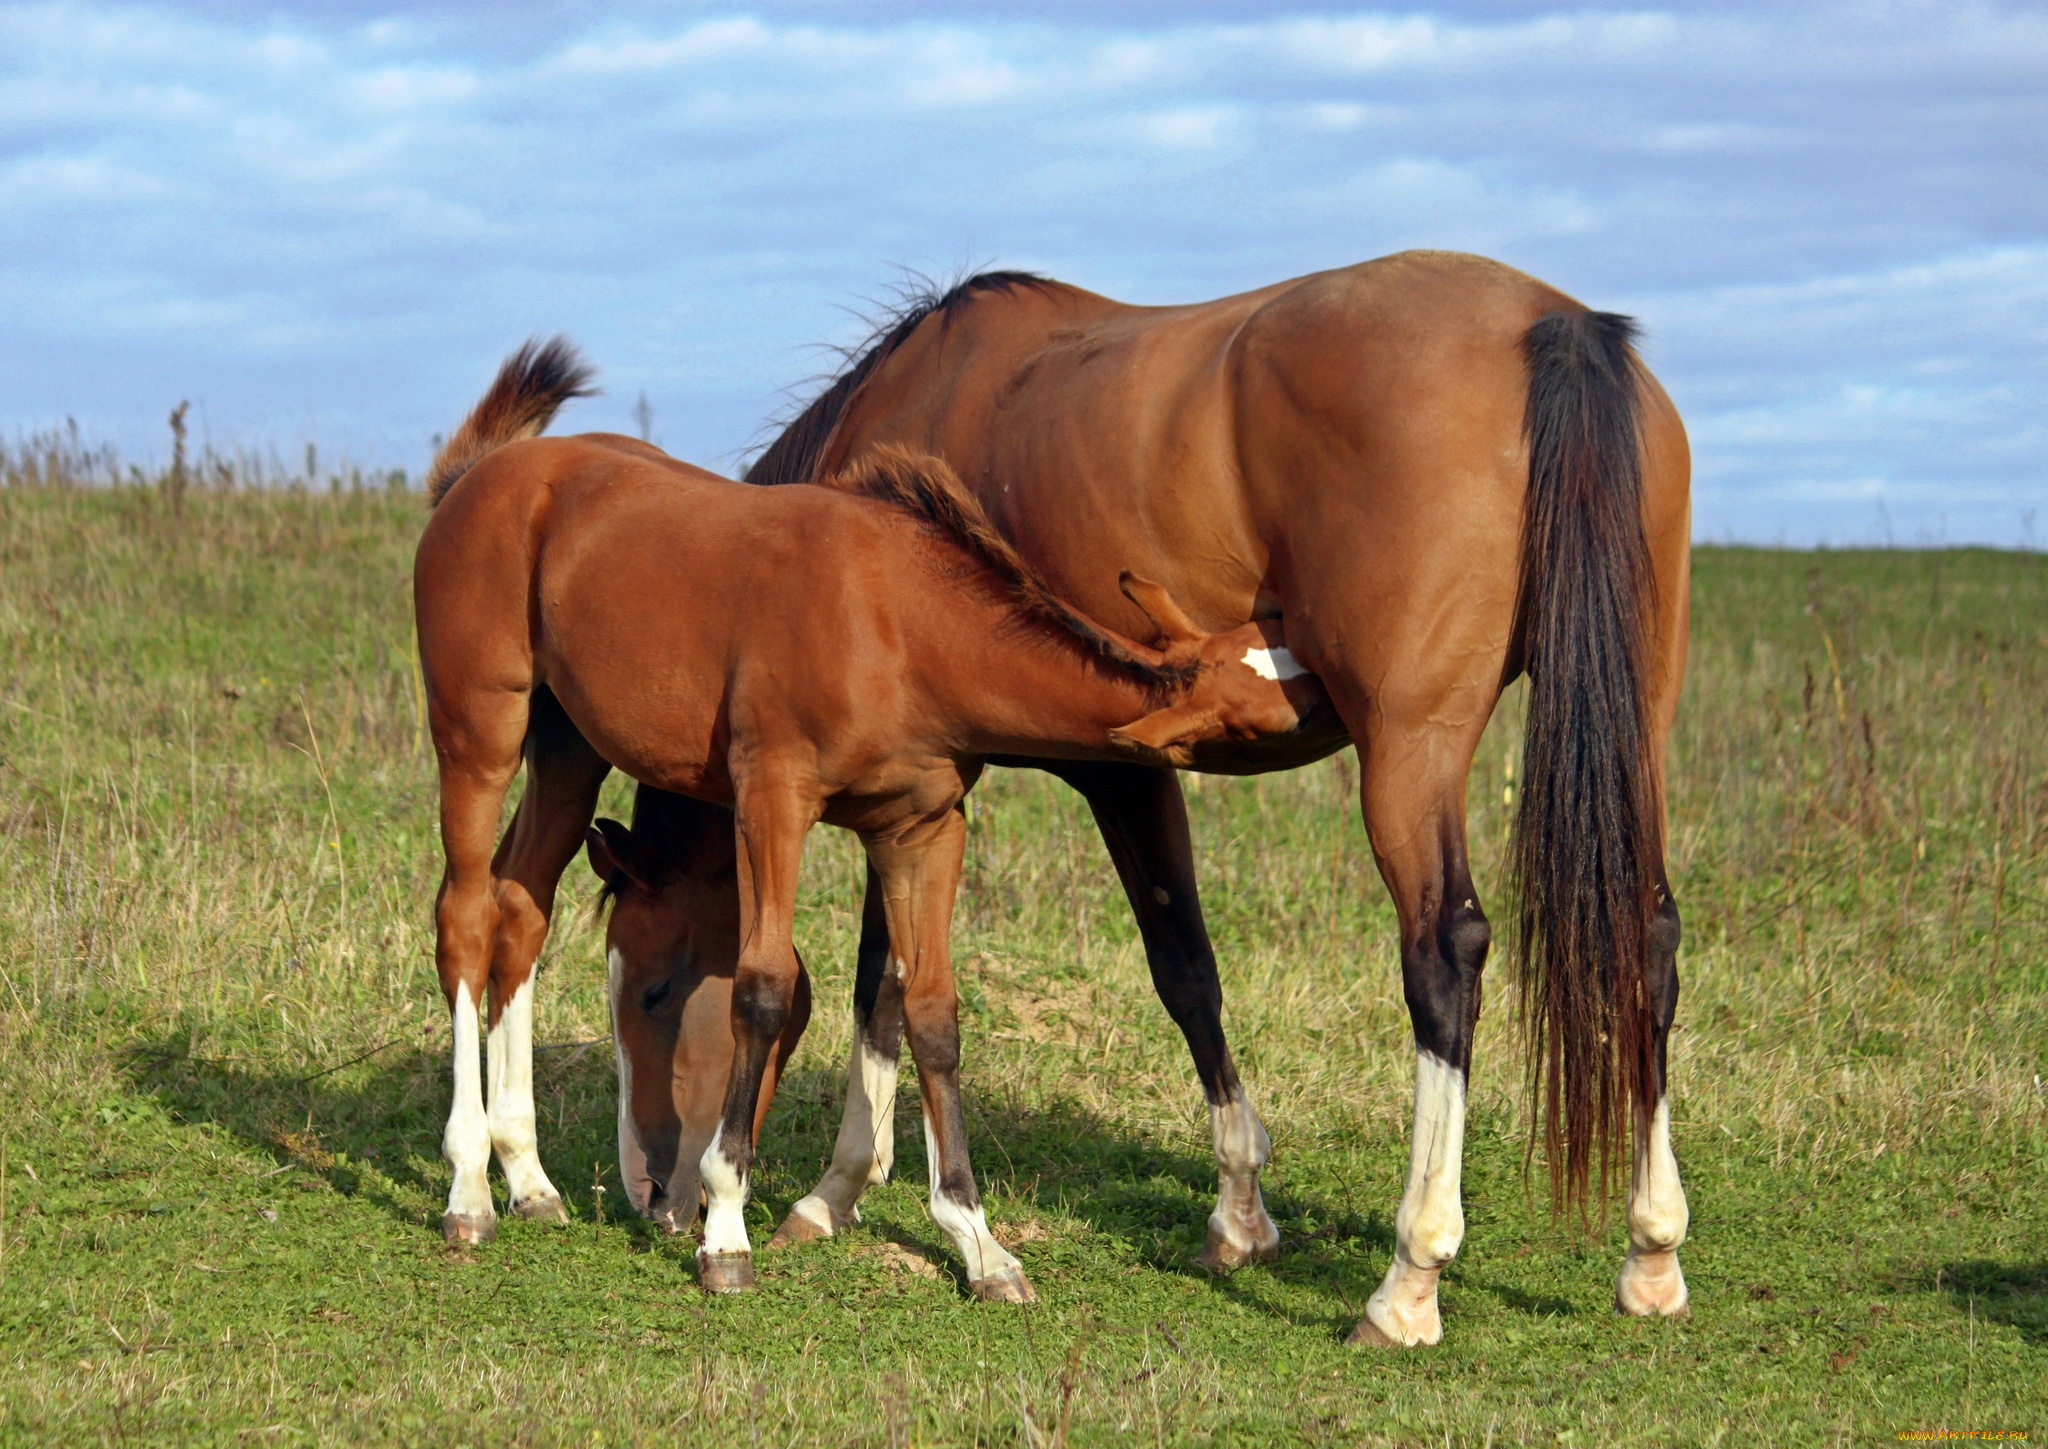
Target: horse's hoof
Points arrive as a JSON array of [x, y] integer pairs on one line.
[[796, 1228], [1220, 1256], [1008, 1286], [1370, 1335], [469, 1230], [1651, 1285], [725, 1272], [547, 1209]]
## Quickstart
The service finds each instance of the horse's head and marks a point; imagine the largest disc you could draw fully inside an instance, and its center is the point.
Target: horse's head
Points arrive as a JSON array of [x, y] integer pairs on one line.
[[672, 942], [1245, 685]]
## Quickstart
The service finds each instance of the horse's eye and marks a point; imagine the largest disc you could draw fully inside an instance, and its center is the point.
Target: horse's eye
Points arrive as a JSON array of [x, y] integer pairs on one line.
[[657, 993]]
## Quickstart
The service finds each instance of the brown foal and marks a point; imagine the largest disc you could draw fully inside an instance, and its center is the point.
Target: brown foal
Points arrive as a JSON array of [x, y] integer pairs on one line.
[[800, 654]]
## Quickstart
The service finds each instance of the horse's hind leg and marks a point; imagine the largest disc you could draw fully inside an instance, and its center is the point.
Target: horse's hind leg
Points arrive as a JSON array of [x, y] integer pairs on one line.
[[563, 776], [1144, 822], [1651, 1283], [1414, 797]]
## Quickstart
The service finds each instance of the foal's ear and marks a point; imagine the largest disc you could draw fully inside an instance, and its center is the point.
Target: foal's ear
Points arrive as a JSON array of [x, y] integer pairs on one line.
[[612, 852], [1167, 736], [1174, 626]]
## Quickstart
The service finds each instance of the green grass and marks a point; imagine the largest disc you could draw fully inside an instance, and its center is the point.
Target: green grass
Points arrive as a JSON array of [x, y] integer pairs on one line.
[[217, 856]]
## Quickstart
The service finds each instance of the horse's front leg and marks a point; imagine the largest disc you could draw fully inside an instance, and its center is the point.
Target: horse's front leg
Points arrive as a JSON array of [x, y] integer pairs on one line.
[[1144, 822], [920, 871], [771, 820], [1651, 1283], [866, 1148]]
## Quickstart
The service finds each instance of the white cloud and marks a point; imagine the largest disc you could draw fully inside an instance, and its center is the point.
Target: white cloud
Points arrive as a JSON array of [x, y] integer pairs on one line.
[[1829, 215]]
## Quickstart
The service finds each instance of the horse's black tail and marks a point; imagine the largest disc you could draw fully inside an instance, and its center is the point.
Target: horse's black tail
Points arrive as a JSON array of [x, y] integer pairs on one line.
[[524, 397], [1584, 856]]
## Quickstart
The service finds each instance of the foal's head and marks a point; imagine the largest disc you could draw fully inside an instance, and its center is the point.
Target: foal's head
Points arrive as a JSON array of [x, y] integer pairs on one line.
[[1240, 685], [672, 940]]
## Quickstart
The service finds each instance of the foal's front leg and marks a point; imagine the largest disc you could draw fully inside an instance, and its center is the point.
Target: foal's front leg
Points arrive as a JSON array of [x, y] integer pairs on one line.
[[771, 823], [866, 1148], [920, 871]]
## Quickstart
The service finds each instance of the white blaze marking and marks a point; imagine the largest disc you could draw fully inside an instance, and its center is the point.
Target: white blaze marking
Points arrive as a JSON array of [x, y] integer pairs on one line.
[[511, 1115], [1274, 664], [466, 1142], [725, 1224], [866, 1148], [1431, 1222], [966, 1226], [632, 1155]]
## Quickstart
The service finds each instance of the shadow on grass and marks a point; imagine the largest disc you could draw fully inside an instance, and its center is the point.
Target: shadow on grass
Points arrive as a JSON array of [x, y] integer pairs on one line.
[[372, 1130], [2015, 1294]]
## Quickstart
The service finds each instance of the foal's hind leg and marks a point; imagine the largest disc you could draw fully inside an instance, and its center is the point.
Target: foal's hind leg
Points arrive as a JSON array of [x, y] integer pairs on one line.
[[1144, 822], [477, 736], [563, 776]]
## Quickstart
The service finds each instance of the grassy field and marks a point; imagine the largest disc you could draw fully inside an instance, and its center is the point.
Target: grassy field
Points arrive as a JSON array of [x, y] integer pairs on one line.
[[223, 1061]]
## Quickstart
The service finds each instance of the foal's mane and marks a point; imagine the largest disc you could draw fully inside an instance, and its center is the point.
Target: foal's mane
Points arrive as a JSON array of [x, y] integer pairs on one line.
[[794, 455], [929, 490]]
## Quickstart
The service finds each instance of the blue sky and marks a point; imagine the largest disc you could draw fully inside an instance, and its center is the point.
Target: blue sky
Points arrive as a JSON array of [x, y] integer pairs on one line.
[[327, 222]]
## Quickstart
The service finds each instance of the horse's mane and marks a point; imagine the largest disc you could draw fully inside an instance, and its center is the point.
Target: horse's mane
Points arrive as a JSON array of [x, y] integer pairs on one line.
[[794, 455], [929, 490]]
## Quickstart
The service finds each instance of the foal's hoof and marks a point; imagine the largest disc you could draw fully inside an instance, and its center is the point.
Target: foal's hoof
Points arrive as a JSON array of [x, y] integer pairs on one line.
[[1008, 1286], [469, 1230], [1221, 1256], [725, 1272], [546, 1209], [796, 1228]]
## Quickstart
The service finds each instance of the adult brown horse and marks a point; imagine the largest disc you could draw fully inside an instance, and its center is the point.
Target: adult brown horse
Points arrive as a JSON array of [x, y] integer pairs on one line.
[[800, 654], [1442, 474]]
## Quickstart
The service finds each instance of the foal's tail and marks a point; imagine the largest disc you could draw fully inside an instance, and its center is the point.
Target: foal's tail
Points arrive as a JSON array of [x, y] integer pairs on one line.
[[529, 389], [1586, 846]]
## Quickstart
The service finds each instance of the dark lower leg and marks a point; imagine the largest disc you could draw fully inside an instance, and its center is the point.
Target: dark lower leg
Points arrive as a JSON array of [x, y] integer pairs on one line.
[[1445, 937], [866, 1149], [1144, 823]]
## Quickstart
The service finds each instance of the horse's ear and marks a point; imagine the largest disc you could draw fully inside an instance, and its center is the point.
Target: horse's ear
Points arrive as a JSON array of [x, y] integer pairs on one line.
[[1166, 736], [612, 852], [1174, 626]]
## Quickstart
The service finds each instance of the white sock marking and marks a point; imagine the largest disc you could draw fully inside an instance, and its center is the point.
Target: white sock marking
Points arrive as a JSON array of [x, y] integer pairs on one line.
[[966, 1226], [1242, 1149], [1651, 1280], [1657, 1214], [466, 1141], [866, 1148], [1431, 1222], [725, 1223], [1274, 664], [511, 1112]]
